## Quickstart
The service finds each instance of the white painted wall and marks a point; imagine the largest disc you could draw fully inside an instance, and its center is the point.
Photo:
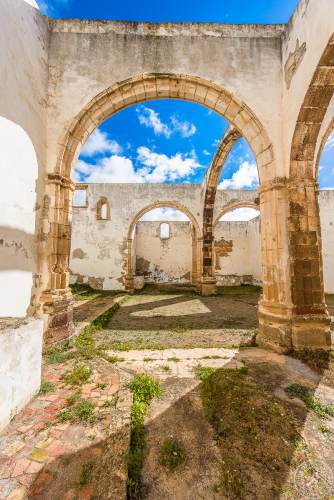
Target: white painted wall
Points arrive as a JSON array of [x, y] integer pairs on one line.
[[23, 84], [326, 204], [164, 260], [245, 257], [20, 367]]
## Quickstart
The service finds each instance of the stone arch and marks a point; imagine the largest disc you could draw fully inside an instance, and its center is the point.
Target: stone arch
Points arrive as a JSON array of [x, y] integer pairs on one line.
[[234, 206], [150, 86], [225, 146], [197, 240], [310, 319], [145, 87]]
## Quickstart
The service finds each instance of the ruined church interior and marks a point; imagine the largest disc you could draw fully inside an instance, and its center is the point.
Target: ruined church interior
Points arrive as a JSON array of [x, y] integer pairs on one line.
[[166, 255]]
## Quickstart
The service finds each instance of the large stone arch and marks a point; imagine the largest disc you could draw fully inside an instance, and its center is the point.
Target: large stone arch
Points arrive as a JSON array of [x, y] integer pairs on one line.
[[310, 319], [59, 187], [197, 239], [225, 146]]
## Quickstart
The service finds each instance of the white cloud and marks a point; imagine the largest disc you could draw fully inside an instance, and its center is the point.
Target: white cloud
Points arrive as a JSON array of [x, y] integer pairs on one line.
[[330, 142], [165, 214], [110, 169], [245, 177], [150, 119], [241, 214], [206, 152], [186, 129], [99, 143], [161, 168], [50, 7]]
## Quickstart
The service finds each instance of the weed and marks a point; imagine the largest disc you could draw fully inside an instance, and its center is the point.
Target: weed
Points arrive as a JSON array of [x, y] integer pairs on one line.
[[46, 387], [166, 368], [144, 388], [325, 430], [65, 415], [79, 375], [173, 358], [101, 385], [172, 453], [148, 360], [111, 403], [313, 403], [212, 357], [204, 372], [56, 354], [86, 474], [84, 412], [74, 398]]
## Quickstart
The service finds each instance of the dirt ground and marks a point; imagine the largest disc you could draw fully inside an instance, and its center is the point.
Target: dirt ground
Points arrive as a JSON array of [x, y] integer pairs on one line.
[[161, 320]]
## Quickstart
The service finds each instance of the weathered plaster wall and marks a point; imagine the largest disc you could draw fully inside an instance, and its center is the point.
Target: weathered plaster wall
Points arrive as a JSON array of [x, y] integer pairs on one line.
[[238, 252], [326, 204], [87, 57], [20, 367], [23, 84], [164, 260], [99, 247]]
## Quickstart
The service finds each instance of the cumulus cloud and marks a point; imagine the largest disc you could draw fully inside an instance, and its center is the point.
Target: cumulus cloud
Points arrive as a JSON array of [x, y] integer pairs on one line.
[[98, 143], [185, 129], [109, 169], [241, 214], [165, 214], [246, 177], [154, 167], [161, 168], [151, 119]]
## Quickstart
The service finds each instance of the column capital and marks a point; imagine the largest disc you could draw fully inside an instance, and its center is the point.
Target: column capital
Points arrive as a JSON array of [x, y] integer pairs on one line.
[[60, 180]]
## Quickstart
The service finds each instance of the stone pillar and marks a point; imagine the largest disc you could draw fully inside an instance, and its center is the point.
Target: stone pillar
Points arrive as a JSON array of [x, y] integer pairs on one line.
[[57, 298], [129, 281], [207, 282], [310, 321], [292, 312]]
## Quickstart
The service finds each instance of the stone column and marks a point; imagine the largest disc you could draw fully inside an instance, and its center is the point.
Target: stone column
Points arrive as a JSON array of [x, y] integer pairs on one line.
[[57, 298], [207, 283], [129, 281], [292, 312], [310, 320]]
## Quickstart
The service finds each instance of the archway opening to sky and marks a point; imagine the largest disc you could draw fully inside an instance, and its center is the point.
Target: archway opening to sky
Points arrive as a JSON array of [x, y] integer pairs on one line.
[[326, 204]]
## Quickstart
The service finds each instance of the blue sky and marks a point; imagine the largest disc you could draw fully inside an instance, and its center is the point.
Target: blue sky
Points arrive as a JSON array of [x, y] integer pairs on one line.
[[172, 141]]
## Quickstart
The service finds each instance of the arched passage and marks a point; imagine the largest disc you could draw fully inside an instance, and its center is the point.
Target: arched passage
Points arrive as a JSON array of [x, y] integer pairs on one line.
[[310, 319], [196, 246], [57, 297], [212, 178]]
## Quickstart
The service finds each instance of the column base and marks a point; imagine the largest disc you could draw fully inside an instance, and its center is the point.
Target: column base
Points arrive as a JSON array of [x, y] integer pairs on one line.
[[281, 330], [129, 284], [58, 306], [207, 287]]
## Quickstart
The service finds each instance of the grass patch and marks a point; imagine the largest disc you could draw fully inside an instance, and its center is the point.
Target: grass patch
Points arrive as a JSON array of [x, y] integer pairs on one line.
[[56, 354], [313, 403], [204, 372], [239, 290], [79, 375], [256, 434], [86, 474], [144, 388], [46, 386], [79, 411], [172, 453]]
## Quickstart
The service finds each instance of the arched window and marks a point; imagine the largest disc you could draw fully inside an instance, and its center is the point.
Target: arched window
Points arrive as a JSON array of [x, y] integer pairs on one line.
[[164, 231], [103, 209]]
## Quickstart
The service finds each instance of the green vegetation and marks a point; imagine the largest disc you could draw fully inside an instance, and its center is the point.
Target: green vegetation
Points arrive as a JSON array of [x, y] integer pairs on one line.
[[172, 453], [174, 359], [325, 430], [144, 388], [166, 368], [56, 354], [239, 290], [313, 403], [204, 372], [255, 433], [85, 292], [46, 387], [86, 474], [78, 375], [78, 411]]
